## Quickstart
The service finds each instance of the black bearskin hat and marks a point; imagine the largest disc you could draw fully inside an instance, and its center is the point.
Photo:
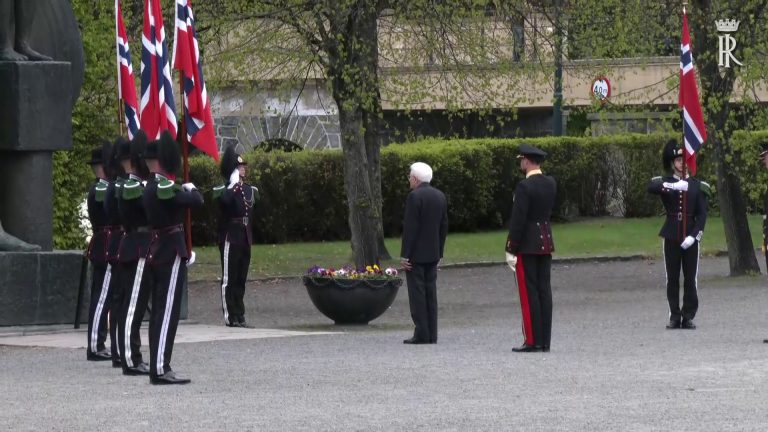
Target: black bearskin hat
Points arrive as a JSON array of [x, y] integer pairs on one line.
[[123, 149], [138, 146], [168, 154], [229, 162], [100, 156], [672, 150], [115, 167]]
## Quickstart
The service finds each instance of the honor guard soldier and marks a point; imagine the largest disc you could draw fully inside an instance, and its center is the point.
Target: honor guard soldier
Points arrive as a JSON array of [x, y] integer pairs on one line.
[[132, 255], [685, 204], [97, 254], [529, 248], [115, 235], [764, 159], [165, 202], [236, 200]]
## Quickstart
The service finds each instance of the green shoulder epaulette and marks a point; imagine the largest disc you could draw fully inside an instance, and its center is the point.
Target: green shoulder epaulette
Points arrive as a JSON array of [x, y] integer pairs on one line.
[[218, 191], [167, 189], [657, 178], [132, 190], [707, 189], [101, 191]]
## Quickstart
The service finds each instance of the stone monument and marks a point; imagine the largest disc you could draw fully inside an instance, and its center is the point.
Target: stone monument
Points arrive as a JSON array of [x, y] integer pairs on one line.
[[41, 71]]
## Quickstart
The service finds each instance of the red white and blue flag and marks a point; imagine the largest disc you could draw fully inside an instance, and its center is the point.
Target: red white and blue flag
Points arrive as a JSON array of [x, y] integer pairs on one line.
[[158, 111], [694, 130], [186, 58], [126, 84]]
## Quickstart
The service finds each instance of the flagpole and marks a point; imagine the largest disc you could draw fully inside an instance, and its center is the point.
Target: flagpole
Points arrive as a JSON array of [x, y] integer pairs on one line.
[[685, 154], [185, 159], [121, 116]]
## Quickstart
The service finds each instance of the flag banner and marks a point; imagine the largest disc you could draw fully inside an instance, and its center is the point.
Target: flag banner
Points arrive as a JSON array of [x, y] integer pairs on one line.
[[694, 130], [126, 84], [158, 111]]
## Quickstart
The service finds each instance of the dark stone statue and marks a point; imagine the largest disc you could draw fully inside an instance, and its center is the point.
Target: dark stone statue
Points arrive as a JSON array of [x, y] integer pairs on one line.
[[17, 18]]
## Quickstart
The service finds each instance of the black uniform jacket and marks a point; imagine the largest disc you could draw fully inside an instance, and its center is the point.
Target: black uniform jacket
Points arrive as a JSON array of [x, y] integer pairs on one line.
[[425, 225], [236, 208], [695, 216], [530, 230], [114, 220], [136, 238], [165, 203], [97, 214]]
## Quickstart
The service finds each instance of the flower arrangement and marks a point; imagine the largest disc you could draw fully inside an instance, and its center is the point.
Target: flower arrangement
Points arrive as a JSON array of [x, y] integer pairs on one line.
[[349, 272]]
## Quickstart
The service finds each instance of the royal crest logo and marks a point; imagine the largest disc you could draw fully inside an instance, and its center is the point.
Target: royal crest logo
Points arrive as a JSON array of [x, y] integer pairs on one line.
[[726, 41]]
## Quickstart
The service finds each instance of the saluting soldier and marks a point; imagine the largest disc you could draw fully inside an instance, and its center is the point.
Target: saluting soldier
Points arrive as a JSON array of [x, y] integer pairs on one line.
[[236, 200], [97, 254], [529, 248], [165, 202], [115, 235], [685, 204], [132, 255]]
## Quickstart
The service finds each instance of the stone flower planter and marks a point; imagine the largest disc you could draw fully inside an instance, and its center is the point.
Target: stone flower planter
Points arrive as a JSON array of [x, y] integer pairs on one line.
[[352, 301]]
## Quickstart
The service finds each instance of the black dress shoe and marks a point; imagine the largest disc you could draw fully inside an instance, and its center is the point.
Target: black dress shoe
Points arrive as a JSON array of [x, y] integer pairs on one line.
[[103, 355], [244, 324], [688, 324], [233, 324], [765, 340], [545, 348], [414, 341], [527, 348], [168, 378], [673, 324], [117, 363], [140, 369]]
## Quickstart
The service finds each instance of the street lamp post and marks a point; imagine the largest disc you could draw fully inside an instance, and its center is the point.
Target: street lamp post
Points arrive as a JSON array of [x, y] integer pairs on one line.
[[557, 105]]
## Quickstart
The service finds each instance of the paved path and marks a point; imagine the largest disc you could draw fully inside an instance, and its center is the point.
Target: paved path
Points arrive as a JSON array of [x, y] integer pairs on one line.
[[612, 367]]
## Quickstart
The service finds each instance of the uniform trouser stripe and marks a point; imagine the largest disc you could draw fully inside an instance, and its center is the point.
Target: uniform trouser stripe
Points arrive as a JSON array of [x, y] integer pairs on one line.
[[522, 288], [100, 307], [132, 311], [167, 316], [225, 281]]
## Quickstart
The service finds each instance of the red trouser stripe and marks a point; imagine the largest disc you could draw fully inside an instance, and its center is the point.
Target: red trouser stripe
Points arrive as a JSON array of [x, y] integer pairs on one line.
[[524, 305]]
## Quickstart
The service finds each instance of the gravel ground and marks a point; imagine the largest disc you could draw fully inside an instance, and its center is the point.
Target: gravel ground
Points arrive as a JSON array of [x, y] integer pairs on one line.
[[612, 367]]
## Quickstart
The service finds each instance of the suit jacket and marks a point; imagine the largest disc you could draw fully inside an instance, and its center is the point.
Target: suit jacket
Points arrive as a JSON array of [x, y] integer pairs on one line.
[[165, 214], [696, 212], [425, 225], [530, 229], [236, 208]]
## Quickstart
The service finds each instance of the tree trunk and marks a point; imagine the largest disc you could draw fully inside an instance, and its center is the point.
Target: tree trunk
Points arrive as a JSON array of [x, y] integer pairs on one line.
[[364, 222], [716, 94]]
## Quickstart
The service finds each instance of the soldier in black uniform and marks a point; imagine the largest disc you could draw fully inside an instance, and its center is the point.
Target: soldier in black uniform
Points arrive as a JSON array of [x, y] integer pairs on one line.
[[165, 202], [115, 234], [685, 203], [764, 159], [97, 254], [236, 200], [132, 255], [529, 248]]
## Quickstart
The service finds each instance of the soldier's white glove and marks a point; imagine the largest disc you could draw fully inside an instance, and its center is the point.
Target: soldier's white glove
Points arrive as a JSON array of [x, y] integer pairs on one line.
[[688, 242], [234, 178], [512, 261], [144, 183], [188, 186], [191, 259], [680, 185]]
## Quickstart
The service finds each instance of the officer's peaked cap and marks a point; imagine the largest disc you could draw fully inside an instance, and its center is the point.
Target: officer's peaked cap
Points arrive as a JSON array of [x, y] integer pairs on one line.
[[763, 149], [531, 152]]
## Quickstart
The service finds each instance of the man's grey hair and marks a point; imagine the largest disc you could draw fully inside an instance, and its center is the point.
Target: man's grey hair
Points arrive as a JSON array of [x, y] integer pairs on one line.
[[422, 172]]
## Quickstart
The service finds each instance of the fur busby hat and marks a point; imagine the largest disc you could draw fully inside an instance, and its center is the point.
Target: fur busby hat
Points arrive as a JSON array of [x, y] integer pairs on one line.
[[115, 167], [101, 154], [168, 154], [122, 148], [138, 147], [229, 162], [672, 150]]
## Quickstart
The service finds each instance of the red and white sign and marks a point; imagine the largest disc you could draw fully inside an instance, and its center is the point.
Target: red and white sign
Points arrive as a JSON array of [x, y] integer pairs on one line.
[[601, 89]]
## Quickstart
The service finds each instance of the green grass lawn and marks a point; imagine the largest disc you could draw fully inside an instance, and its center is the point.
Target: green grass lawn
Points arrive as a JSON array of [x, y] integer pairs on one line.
[[591, 237]]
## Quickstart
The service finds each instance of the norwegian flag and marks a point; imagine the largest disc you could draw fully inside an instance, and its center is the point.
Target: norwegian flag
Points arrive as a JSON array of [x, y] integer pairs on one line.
[[126, 84], [694, 131], [186, 58], [158, 111]]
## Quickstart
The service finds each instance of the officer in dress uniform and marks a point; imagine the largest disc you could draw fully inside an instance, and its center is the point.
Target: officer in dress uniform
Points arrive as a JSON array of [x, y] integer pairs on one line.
[[682, 232], [236, 200], [115, 235], [132, 255], [529, 248], [97, 254], [165, 202]]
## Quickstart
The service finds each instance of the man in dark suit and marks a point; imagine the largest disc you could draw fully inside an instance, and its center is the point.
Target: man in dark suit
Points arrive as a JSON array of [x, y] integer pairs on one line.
[[685, 203], [530, 246], [425, 226]]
